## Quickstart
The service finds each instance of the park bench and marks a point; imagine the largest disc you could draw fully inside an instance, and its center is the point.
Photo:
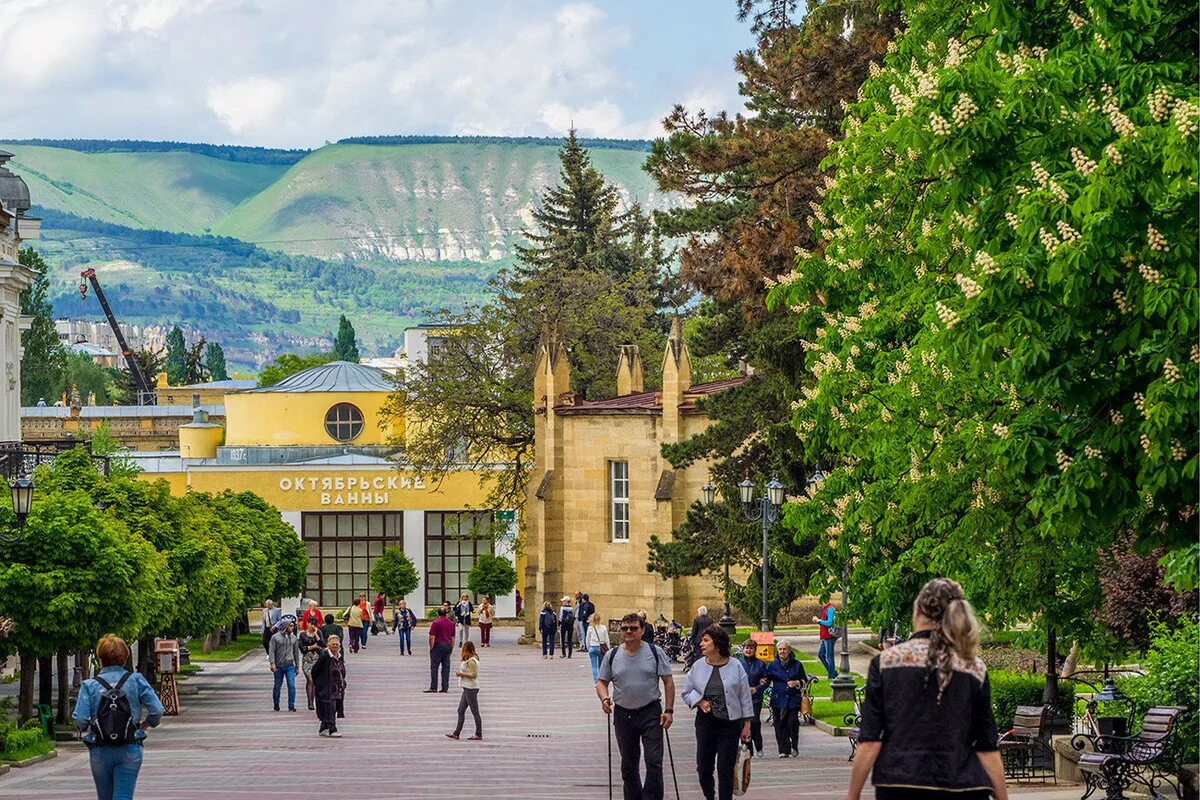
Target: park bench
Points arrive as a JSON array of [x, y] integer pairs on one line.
[[1025, 749], [1115, 763], [854, 719]]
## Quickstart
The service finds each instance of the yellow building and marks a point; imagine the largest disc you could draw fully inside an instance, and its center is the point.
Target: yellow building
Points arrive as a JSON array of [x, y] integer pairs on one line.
[[601, 487], [318, 447]]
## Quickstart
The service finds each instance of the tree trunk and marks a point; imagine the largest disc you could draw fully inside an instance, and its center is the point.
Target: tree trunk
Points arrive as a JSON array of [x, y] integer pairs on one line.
[[1050, 695], [146, 664], [45, 681], [25, 703], [63, 713], [84, 663]]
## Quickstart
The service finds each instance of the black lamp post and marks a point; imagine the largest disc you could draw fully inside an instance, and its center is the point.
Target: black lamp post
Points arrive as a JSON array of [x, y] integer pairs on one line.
[[727, 622], [22, 501], [766, 510]]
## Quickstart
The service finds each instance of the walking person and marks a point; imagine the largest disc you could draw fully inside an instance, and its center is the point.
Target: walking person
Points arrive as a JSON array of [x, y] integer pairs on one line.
[[462, 618], [487, 615], [927, 729], [628, 689], [405, 621], [352, 617], [584, 609], [441, 642], [284, 657], [566, 628], [377, 620], [115, 732], [270, 619], [468, 681], [597, 642], [311, 614], [700, 624], [825, 651], [547, 627], [329, 676], [311, 645], [756, 678], [364, 619], [647, 628], [787, 677], [716, 687], [331, 629]]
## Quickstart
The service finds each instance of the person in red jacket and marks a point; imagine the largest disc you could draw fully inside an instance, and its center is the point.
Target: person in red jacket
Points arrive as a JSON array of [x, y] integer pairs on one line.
[[377, 607], [441, 642], [828, 640]]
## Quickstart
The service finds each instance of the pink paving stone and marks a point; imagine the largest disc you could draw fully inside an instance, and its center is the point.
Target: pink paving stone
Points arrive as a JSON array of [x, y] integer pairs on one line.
[[544, 737]]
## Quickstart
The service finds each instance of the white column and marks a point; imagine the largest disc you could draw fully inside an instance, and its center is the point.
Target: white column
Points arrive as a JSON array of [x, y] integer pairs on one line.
[[414, 548], [289, 605], [506, 606]]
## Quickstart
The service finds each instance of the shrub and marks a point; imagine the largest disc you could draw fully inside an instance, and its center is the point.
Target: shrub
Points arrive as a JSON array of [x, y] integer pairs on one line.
[[493, 576], [1012, 689], [1171, 665], [16, 741], [394, 573]]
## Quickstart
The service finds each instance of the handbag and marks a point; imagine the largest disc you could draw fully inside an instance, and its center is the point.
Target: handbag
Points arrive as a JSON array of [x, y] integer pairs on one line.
[[741, 770], [805, 705]]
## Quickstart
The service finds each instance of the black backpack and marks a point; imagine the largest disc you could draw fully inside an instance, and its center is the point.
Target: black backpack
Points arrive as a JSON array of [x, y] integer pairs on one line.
[[114, 725]]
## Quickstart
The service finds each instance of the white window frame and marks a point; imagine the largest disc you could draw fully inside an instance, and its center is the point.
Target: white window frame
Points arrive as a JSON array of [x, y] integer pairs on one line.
[[618, 501]]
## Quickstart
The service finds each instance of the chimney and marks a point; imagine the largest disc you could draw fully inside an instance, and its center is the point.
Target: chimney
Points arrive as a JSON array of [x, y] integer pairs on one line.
[[677, 379], [629, 370]]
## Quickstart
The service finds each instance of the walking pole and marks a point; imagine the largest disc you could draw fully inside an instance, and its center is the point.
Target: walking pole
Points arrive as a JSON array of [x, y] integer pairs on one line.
[[610, 781], [671, 756]]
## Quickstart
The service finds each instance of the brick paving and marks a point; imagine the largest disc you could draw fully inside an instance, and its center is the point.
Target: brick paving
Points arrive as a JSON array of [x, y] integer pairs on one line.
[[544, 737]]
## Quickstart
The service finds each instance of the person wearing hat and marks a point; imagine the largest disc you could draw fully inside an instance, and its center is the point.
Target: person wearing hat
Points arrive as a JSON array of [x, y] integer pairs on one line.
[[566, 628], [583, 613]]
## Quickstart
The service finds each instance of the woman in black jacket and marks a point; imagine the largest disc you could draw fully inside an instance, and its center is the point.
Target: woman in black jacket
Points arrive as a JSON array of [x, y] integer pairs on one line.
[[329, 676], [927, 728]]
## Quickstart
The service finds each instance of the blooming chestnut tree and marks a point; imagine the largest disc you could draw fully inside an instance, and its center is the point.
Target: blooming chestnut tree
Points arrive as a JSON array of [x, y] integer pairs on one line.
[[1002, 319]]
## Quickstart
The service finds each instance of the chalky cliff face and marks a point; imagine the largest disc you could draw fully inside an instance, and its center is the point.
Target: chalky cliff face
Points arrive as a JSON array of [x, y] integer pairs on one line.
[[319, 447]]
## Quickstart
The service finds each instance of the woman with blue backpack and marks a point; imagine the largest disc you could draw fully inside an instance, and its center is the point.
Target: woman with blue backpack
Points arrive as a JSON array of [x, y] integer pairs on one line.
[[109, 715]]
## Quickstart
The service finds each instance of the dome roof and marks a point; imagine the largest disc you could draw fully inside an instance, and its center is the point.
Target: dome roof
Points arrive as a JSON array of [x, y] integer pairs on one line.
[[336, 376], [14, 194]]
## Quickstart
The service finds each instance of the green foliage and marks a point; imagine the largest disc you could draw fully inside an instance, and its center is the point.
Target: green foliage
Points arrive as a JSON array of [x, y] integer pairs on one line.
[[1002, 324], [214, 362], [84, 378], [177, 358], [492, 576], [289, 364], [345, 348], [224, 152], [44, 359], [1012, 689], [103, 443], [21, 742], [1171, 666], [394, 573]]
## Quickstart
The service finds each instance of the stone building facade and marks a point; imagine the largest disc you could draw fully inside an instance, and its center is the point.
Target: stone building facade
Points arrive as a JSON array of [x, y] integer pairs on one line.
[[15, 228], [601, 487]]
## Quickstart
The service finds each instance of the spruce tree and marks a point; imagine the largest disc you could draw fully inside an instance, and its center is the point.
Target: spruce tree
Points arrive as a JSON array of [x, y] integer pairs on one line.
[[177, 355], [44, 360], [345, 348], [214, 361]]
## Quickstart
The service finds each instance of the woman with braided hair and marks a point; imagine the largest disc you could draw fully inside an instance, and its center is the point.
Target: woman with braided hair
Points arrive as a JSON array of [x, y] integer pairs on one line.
[[927, 730]]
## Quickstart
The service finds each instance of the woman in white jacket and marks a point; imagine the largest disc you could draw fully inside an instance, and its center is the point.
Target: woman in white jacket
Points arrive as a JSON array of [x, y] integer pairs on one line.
[[717, 688], [597, 641]]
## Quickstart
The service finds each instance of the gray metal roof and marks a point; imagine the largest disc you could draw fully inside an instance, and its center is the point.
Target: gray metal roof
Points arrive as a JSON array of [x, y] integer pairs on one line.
[[120, 411], [232, 383], [336, 376]]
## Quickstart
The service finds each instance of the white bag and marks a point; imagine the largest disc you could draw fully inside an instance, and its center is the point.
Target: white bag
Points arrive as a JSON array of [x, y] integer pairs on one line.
[[741, 770]]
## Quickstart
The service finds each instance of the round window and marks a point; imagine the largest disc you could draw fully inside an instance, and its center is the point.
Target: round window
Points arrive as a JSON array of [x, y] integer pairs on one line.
[[344, 422]]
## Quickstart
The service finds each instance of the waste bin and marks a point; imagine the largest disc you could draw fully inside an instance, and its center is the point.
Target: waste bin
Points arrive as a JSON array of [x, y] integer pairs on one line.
[[45, 715]]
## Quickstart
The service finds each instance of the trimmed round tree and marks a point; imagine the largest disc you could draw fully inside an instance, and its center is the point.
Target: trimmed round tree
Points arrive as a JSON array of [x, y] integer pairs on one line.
[[492, 576], [394, 573]]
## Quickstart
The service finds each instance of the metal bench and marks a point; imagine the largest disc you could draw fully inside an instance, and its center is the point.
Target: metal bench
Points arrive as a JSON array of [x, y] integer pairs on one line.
[[1025, 749], [854, 719], [1114, 763]]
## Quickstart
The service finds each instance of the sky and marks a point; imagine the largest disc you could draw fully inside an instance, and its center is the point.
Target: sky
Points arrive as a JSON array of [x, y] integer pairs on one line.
[[298, 73]]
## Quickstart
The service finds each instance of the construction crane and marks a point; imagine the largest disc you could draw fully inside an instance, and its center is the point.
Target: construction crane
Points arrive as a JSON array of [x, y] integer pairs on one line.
[[145, 394]]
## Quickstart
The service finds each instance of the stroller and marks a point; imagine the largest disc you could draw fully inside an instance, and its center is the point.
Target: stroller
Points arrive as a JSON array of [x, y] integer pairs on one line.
[[669, 640]]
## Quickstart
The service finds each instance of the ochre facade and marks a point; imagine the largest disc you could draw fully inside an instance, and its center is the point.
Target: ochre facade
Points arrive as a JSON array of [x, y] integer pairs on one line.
[[570, 544]]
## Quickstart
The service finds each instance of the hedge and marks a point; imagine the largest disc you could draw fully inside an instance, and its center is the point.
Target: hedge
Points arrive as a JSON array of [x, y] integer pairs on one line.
[[1011, 689]]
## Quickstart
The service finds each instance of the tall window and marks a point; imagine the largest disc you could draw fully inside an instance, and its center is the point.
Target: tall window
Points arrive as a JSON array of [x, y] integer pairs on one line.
[[341, 549], [344, 422], [618, 473], [453, 540]]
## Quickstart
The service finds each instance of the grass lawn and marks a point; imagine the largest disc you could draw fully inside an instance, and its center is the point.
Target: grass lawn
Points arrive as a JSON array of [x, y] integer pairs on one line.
[[38, 748], [230, 652]]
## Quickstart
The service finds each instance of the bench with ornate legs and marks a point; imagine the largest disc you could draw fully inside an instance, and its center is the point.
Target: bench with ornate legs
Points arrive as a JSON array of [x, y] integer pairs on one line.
[[1025, 749], [1117, 762], [854, 720]]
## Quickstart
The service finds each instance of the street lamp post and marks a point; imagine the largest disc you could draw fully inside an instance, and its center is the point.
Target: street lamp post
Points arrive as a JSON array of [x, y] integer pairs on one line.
[[22, 501], [842, 687], [727, 622], [766, 510]]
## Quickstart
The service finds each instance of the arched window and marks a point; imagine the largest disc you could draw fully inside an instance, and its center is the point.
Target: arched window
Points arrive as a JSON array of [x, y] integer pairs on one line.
[[344, 422]]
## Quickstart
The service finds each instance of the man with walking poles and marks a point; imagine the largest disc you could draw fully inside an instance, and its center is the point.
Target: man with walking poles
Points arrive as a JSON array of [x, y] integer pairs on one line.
[[635, 705]]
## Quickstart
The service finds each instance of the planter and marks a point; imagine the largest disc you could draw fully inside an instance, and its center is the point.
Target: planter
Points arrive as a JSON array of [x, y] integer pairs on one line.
[[29, 762]]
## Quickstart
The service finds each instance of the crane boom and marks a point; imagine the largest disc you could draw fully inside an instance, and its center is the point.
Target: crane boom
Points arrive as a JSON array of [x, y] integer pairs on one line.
[[145, 393]]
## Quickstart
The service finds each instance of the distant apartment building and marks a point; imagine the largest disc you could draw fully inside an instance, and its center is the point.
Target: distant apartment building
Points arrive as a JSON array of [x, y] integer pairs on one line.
[[96, 339]]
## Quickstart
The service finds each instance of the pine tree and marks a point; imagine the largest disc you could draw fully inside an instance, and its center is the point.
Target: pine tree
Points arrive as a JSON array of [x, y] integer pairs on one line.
[[345, 348], [177, 367], [214, 361], [44, 360]]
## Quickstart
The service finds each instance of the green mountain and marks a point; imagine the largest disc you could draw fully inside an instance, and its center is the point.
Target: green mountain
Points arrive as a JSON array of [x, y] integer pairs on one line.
[[263, 249]]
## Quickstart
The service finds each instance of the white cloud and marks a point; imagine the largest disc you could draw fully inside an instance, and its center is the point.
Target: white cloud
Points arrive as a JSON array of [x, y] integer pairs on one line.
[[297, 72]]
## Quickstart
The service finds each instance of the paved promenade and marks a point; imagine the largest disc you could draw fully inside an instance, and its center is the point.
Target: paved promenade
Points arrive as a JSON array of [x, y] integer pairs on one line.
[[544, 737]]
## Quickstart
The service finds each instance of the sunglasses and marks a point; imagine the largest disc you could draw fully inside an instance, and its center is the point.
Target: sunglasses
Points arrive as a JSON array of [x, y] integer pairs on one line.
[[631, 628]]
